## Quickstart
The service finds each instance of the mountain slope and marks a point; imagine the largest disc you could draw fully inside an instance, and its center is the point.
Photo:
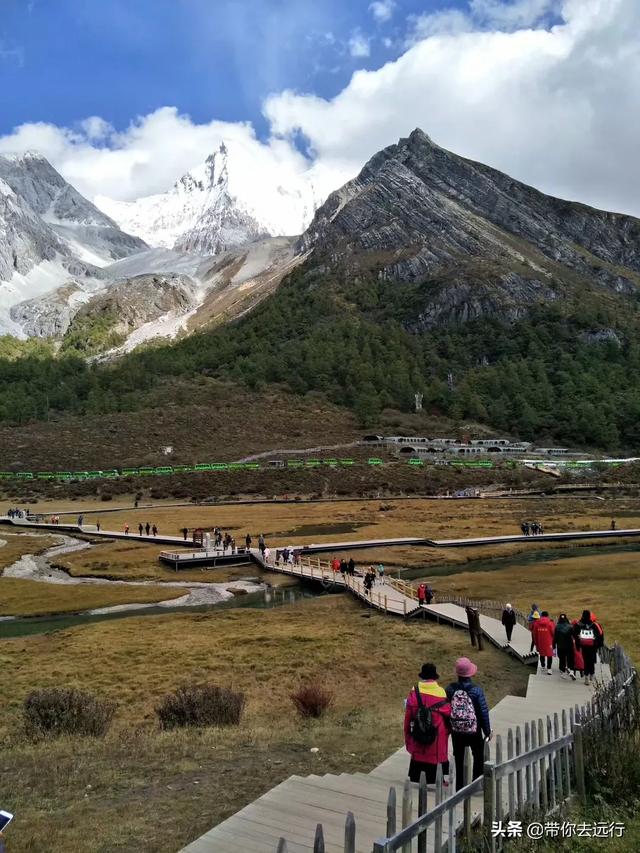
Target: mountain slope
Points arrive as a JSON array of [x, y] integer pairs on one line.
[[91, 235], [427, 273], [226, 202], [479, 241]]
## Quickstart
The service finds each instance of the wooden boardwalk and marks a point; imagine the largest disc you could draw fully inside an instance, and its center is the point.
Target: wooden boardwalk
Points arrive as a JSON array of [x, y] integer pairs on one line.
[[294, 808]]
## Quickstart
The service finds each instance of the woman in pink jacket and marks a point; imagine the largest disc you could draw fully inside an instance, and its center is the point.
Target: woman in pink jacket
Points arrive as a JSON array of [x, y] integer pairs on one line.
[[426, 757]]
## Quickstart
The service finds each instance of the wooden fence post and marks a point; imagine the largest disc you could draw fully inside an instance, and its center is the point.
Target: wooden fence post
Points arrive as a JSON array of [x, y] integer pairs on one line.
[[407, 808], [437, 826], [511, 781], [565, 753], [466, 806], [558, 787], [499, 781], [422, 810], [489, 806], [578, 757], [543, 772], [534, 768], [519, 772], [527, 772], [391, 813], [350, 834], [318, 842]]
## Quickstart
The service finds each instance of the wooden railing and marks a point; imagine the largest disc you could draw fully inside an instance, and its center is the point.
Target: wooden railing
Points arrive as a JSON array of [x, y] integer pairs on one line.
[[535, 770]]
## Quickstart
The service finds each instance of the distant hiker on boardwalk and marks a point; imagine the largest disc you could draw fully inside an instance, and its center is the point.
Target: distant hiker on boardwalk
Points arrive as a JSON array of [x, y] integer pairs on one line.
[[578, 660], [429, 594], [140, 529], [380, 572], [426, 727], [422, 594], [185, 533], [247, 541], [97, 525], [613, 524], [368, 583], [563, 641], [351, 566], [336, 566], [469, 720], [508, 620], [147, 528], [154, 529], [525, 528], [126, 530], [344, 567], [261, 544], [589, 638], [543, 632]]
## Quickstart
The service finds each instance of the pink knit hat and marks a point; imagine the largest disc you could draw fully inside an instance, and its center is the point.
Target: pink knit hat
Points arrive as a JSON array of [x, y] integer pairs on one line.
[[465, 668]]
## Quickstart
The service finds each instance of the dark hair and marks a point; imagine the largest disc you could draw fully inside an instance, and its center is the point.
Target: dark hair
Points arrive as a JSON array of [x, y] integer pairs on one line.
[[586, 616], [563, 618], [545, 613]]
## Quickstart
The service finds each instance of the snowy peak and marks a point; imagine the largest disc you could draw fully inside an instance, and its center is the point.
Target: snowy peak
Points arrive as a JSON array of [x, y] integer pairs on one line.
[[228, 201], [89, 234]]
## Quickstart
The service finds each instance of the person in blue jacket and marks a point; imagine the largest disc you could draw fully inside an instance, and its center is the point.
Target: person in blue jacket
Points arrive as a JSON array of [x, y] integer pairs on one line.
[[469, 720]]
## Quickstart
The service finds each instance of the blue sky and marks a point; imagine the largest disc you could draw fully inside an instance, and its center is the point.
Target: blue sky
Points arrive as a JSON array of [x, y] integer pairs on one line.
[[125, 96], [64, 60]]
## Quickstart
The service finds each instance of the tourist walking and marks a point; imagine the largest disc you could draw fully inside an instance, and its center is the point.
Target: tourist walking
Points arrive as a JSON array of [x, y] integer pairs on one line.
[[97, 525], [380, 572], [508, 620], [422, 594], [428, 594], [589, 637], [336, 566], [185, 533], [578, 660], [140, 528], [147, 528], [126, 530], [525, 528], [563, 641], [261, 544], [531, 618], [247, 541], [368, 583], [426, 727], [543, 632], [469, 719], [351, 566], [154, 529], [613, 524]]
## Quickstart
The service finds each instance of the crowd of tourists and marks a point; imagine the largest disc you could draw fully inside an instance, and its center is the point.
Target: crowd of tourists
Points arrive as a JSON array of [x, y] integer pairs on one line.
[[531, 528], [575, 642], [14, 512]]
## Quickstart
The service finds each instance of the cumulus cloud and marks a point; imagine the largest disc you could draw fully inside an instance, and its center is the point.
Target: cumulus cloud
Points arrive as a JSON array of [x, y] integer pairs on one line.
[[382, 10], [551, 102], [359, 45], [555, 106]]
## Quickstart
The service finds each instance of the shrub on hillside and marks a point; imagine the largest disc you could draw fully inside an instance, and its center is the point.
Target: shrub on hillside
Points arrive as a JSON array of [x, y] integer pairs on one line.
[[201, 705], [312, 700], [57, 711]]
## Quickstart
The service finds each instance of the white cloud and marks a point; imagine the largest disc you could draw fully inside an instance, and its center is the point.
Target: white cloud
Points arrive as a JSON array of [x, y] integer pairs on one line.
[[555, 106], [359, 45], [382, 10]]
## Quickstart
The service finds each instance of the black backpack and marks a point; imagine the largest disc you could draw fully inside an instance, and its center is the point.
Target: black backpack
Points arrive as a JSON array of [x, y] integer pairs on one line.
[[423, 729]]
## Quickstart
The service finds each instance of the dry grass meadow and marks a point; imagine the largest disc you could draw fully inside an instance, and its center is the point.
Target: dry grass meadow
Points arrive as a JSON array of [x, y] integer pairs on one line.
[[94, 796]]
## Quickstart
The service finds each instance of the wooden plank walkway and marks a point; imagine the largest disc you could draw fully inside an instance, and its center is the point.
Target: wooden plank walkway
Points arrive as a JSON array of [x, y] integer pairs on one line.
[[294, 808]]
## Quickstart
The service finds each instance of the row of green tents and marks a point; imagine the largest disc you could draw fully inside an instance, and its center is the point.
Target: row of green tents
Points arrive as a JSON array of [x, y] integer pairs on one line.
[[164, 470]]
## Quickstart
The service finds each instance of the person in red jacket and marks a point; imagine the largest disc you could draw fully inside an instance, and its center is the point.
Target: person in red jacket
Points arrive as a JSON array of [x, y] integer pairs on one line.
[[543, 630], [426, 757]]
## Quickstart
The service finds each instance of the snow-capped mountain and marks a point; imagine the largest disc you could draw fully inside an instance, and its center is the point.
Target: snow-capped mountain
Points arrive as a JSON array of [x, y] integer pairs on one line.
[[51, 237], [226, 202], [91, 236]]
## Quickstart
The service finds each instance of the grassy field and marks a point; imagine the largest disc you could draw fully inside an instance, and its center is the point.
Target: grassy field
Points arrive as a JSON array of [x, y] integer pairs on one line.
[[96, 796]]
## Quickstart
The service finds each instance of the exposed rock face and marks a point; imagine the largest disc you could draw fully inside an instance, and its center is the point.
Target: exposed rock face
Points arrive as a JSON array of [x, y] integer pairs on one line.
[[92, 236], [142, 299], [418, 213]]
